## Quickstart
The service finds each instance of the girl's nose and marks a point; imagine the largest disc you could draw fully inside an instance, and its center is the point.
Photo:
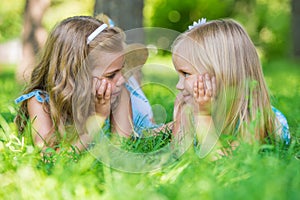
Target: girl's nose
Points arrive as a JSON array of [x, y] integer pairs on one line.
[[180, 84]]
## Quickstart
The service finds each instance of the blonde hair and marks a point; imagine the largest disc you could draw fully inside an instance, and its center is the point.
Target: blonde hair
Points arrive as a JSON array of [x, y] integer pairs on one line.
[[64, 71], [224, 50]]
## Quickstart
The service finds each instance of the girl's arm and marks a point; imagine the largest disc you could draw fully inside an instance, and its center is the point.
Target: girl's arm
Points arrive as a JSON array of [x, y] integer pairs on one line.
[[207, 137], [42, 126], [94, 125], [206, 133], [121, 119], [102, 90]]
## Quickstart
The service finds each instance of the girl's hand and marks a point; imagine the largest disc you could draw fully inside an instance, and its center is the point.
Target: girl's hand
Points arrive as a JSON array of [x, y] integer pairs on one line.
[[103, 92], [204, 92]]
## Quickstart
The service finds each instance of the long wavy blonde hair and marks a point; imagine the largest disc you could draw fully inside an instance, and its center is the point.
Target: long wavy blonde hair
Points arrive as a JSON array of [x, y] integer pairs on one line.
[[64, 71], [225, 50]]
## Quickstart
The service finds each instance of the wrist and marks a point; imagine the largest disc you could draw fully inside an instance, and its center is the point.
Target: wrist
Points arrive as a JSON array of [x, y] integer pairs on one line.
[[202, 110], [94, 124], [202, 113], [202, 117], [101, 114]]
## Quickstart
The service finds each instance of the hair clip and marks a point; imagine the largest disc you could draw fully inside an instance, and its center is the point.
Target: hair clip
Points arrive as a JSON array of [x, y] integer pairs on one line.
[[111, 22], [96, 32], [199, 23]]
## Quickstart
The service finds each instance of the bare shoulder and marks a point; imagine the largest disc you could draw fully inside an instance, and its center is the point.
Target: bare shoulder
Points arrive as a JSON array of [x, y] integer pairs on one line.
[[36, 108], [42, 126]]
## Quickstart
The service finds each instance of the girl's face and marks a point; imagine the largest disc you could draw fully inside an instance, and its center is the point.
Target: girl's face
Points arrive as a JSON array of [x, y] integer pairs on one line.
[[187, 74], [109, 66]]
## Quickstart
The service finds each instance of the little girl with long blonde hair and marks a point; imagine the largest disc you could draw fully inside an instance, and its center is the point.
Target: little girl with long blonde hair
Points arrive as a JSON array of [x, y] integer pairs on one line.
[[78, 84], [221, 78]]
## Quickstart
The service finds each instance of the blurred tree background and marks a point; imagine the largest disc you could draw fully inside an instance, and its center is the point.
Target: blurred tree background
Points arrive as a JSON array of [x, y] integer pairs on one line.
[[269, 22], [24, 25], [126, 14], [296, 27]]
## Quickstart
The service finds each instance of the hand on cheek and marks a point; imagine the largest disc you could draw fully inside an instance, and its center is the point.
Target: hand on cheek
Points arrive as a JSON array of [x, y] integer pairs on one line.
[[103, 90], [204, 90]]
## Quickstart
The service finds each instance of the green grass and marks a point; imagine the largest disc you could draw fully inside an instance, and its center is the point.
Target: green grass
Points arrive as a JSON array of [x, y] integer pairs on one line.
[[247, 174]]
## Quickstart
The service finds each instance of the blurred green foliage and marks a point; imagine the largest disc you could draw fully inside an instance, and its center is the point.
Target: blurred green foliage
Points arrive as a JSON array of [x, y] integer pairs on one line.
[[12, 12], [267, 21], [61, 9], [178, 14], [11, 19]]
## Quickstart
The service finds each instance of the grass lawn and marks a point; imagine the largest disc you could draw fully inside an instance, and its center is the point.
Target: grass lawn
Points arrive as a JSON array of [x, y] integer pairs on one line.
[[247, 174]]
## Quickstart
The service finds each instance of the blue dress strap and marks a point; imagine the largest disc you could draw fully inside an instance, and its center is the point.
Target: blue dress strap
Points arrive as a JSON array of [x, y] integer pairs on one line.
[[285, 133], [41, 96]]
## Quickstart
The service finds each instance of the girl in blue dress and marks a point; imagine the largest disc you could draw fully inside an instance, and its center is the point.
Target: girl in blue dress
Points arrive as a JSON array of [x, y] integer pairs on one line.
[[221, 81], [78, 85]]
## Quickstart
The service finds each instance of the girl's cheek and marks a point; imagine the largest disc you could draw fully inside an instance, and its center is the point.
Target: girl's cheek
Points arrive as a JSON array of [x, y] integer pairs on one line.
[[188, 84], [119, 79], [189, 87]]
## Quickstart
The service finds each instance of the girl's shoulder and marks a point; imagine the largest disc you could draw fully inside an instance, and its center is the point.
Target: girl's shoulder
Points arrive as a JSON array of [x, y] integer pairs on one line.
[[40, 95], [285, 133]]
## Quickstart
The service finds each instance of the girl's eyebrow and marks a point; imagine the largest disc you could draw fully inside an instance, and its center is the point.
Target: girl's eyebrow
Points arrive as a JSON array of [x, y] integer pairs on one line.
[[112, 72]]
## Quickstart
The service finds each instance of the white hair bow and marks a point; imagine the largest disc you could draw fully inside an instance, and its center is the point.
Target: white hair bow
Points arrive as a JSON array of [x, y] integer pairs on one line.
[[199, 23]]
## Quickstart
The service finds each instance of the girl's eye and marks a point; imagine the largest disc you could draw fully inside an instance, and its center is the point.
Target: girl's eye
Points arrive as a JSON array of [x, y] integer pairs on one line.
[[186, 74], [111, 76]]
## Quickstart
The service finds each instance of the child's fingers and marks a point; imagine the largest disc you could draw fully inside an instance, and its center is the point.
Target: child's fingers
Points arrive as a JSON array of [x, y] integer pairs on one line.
[[96, 84], [214, 87], [208, 91], [108, 92], [195, 92], [102, 89], [201, 87]]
